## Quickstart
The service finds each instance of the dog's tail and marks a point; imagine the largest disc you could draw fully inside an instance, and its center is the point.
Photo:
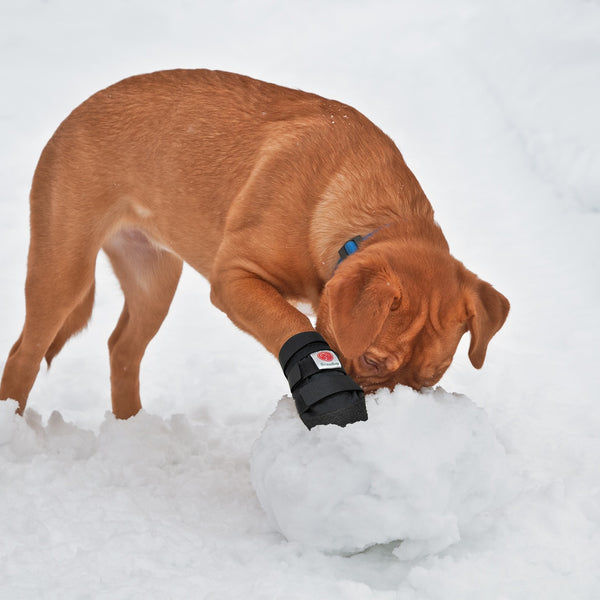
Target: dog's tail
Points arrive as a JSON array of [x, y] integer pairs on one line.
[[74, 323]]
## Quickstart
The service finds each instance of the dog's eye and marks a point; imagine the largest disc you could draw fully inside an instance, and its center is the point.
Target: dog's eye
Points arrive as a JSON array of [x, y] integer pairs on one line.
[[371, 362], [395, 304]]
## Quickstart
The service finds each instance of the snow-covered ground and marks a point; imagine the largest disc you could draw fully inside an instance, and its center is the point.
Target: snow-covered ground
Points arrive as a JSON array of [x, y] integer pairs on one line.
[[495, 107]]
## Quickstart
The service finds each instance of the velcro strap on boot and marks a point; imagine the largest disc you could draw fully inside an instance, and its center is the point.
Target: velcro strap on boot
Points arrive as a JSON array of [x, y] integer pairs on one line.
[[319, 388]]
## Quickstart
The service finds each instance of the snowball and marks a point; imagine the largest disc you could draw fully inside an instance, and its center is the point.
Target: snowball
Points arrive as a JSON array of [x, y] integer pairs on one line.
[[424, 470]]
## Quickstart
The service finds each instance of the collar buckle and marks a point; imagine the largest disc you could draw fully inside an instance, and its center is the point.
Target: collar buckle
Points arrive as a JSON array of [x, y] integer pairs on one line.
[[350, 247]]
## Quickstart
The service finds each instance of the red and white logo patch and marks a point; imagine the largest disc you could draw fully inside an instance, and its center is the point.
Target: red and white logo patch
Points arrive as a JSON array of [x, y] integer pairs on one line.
[[325, 359]]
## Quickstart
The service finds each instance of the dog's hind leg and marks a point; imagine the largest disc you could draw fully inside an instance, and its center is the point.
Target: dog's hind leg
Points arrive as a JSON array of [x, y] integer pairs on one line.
[[58, 302], [74, 323], [148, 276]]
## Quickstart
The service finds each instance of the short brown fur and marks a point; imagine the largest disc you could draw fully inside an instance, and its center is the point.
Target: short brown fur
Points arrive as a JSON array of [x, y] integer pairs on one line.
[[256, 187]]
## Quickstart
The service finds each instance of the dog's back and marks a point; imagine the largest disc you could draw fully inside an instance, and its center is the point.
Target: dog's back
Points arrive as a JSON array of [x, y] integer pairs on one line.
[[193, 142]]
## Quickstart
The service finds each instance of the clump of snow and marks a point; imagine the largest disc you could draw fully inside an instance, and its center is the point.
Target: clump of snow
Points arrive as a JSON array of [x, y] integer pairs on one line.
[[425, 469]]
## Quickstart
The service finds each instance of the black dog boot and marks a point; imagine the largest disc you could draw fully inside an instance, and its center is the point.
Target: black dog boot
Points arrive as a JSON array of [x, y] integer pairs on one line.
[[323, 392]]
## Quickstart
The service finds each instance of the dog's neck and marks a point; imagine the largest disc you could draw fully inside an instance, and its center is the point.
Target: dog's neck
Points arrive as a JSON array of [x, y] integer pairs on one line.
[[410, 230]]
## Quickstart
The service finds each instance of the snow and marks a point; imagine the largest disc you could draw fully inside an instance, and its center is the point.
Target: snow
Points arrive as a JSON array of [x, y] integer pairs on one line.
[[424, 469], [496, 490]]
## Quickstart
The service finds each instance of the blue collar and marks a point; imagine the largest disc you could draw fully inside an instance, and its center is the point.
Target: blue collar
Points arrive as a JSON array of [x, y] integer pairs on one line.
[[351, 246]]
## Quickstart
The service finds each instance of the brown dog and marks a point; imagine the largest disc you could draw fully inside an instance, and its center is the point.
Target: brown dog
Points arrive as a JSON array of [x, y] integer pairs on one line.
[[257, 187]]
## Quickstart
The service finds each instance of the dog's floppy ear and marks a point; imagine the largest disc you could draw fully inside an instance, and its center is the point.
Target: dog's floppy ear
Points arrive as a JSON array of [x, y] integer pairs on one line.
[[487, 310], [359, 302]]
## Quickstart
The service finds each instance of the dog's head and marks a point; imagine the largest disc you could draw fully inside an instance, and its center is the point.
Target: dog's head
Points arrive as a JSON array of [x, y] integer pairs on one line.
[[397, 317]]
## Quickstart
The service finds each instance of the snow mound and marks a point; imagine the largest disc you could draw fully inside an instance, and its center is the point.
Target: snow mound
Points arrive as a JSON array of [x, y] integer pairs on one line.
[[425, 470]]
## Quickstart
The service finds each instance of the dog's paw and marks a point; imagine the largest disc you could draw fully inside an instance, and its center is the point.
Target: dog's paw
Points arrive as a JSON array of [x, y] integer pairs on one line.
[[323, 392]]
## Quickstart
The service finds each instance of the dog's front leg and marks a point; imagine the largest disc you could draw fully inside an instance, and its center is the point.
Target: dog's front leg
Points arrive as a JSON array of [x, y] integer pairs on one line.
[[323, 392]]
